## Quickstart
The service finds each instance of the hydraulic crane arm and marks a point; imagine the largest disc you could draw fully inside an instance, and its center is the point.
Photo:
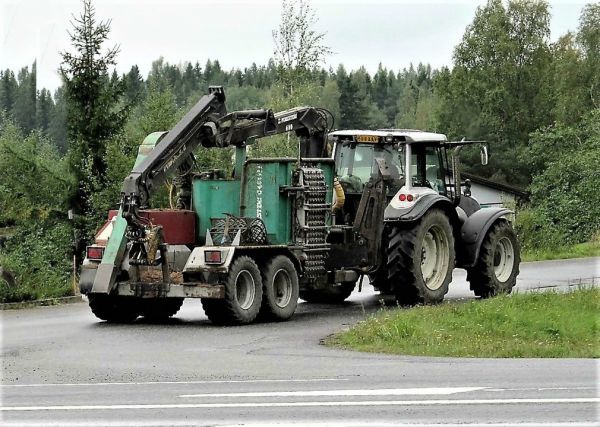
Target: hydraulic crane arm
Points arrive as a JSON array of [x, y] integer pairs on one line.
[[198, 126], [309, 124]]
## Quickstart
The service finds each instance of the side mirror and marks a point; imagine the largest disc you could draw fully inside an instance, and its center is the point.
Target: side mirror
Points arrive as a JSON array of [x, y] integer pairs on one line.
[[483, 149], [467, 190]]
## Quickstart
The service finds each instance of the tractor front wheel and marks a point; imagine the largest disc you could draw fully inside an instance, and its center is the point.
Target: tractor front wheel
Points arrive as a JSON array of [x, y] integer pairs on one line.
[[243, 295], [421, 259], [497, 268]]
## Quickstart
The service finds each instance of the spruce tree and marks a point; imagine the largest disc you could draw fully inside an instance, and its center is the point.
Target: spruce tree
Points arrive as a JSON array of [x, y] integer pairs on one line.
[[94, 112]]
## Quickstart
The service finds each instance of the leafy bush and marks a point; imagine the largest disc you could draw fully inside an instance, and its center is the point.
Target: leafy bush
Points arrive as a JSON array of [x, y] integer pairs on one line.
[[38, 255], [564, 193], [35, 188], [536, 232], [567, 194], [35, 178]]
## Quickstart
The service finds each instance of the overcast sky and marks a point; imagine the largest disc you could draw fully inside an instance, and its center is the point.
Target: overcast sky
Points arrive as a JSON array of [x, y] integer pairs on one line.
[[238, 33]]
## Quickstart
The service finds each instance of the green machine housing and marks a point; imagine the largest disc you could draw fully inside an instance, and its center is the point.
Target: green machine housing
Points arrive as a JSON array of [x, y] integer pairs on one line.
[[264, 189]]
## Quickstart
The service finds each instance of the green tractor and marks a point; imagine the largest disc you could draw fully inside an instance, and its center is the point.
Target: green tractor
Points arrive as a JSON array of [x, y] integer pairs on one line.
[[249, 245]]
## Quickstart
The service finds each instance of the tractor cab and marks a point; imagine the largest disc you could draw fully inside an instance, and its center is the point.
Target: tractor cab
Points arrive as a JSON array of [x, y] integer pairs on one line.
[[422, 156]]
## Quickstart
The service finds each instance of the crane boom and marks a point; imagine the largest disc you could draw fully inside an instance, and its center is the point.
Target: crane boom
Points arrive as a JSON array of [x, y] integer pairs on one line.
[[173, 149]]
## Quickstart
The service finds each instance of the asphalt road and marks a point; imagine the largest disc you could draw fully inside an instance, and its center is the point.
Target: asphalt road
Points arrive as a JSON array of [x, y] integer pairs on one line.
[[61, 366]]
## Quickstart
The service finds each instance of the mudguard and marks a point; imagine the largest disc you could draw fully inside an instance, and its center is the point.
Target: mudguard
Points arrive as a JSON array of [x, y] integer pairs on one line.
[[86, 279], [417, 210], [474, 231], [197, 264]]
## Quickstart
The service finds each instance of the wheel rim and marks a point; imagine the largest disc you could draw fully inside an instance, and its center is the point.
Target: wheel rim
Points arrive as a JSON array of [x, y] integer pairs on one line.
[[434, 257], [244, 289], [504, 259], [282, 288]]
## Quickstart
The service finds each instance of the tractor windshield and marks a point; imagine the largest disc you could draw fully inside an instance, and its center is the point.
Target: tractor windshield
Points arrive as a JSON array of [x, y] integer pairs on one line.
[[356, 164]]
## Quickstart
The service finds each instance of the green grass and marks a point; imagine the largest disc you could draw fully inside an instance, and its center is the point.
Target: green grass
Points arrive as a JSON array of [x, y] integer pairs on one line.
[[580, 250], [544, 324]]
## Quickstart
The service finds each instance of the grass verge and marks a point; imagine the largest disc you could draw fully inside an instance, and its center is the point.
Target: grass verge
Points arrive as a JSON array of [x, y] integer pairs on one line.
[[544, 324], [580, 250]]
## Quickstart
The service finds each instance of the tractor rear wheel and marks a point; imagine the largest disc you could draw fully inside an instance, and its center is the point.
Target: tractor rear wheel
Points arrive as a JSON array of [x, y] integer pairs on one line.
[[330, 295], [243, 295], [497, 268], [421, 259], [280, 289], [114, 308], [159, 309]]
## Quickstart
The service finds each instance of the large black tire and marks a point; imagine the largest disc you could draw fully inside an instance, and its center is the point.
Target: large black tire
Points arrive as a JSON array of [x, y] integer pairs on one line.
[[243, 295], [497, 267], [160, 309], [113, 308], [333, 294], [280, 289], [421, 259]]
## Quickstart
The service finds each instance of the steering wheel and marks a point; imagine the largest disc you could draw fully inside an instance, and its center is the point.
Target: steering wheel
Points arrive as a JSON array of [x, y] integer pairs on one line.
[[417, 183]]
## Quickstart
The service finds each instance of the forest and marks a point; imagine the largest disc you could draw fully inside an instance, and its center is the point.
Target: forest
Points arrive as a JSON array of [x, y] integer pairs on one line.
[[535, 100]]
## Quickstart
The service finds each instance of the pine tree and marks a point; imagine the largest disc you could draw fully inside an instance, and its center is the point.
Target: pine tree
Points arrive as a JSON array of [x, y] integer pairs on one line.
[[57, 128], [134, 86], [43, 110], [25, 96], [353, 113], [8, 90], [94, 114]]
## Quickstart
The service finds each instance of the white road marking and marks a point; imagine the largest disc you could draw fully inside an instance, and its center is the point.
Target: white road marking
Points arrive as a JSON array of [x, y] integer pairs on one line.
[[539, 388], [298, 404], [308, 380], [362, 392], [177, 423]]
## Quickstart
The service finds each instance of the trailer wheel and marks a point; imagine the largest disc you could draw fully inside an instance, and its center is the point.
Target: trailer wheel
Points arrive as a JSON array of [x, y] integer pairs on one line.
[[329, 295], [280, 289], [159, 309], [497, 268], [113, 308], [243, 295], [421, 259]]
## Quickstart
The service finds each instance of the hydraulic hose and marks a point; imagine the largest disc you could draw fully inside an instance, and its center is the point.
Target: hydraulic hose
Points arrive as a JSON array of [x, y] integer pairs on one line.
[[339, 196]]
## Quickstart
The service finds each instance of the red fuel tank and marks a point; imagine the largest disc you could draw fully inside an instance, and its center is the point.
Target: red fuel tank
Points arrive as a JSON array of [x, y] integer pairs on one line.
[[179, 226]]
